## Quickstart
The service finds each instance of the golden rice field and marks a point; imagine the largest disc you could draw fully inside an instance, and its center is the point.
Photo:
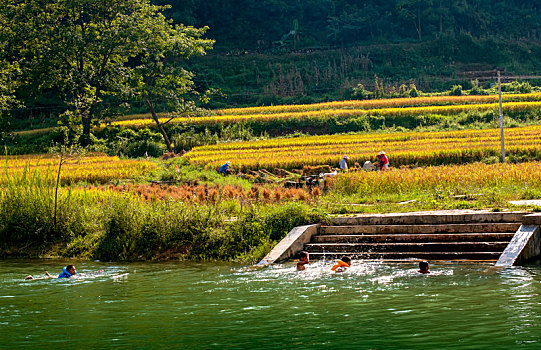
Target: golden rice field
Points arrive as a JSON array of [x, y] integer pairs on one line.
[[508, 107], [368, 104], [426, 148], [383, 103], [475, 176], [94, 168]]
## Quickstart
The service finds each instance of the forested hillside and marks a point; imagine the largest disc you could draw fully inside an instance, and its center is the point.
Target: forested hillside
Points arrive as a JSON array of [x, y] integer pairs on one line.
[[246, 53], [273, 51], [265, 24]]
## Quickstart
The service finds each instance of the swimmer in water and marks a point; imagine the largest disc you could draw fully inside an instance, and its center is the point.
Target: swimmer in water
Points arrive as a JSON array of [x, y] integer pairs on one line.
[[423, 267], [303, 260], [67, 272], [342, 264]]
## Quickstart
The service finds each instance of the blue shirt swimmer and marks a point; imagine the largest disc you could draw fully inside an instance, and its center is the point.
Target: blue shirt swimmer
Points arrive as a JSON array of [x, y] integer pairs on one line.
[[67, 272]]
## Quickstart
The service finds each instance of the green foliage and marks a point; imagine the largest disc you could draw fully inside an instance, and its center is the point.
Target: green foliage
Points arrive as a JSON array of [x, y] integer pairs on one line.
[[27, 212], [325, 23], [476, 89], [144, 148], [413, 91], [257, 227], [89, 52], [518, 87], [456, 90], [359, 92], [190, 139], [117, 227]]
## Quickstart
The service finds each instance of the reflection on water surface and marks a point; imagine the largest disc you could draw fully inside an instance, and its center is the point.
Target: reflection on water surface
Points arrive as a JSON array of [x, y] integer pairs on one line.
[[374, 305]]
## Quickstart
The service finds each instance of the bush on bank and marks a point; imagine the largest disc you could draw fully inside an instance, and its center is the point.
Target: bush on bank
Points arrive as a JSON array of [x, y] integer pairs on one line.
[[122, 227]]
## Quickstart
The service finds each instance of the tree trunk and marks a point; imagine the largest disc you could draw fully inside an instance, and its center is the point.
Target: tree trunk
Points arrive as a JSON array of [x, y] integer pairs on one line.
[[160, 126], [84, 140], [418, 25], [441, 18]]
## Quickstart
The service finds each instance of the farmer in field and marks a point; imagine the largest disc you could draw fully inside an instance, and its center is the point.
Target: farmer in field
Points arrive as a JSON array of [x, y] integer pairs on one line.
[[224, 168], [383, 161], [344, 164]]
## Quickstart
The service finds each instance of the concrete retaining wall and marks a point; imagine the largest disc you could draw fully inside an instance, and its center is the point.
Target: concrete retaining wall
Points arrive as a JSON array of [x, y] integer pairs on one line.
[[292, 244], [431, 217], [525, 245]]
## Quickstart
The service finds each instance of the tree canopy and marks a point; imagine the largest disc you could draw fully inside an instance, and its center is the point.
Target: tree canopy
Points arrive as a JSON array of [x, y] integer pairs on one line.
[[88, 50], [250, 25]]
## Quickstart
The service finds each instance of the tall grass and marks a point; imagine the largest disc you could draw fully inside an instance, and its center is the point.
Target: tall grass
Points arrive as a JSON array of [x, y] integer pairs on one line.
[[108, 225]]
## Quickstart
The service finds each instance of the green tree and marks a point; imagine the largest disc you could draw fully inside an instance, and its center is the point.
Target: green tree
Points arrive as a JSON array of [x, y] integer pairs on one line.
[[160, 77], [9, 71], [86, 48], [414, 11]]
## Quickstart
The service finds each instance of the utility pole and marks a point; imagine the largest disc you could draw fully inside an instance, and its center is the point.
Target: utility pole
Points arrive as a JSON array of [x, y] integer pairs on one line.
[[501, 117]]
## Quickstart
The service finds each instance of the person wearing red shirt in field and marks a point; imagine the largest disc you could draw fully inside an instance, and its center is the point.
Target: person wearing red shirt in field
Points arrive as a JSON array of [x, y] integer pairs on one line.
[[383, 161]]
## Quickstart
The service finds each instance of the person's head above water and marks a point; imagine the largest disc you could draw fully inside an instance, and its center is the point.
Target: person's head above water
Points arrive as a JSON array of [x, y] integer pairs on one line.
[[423, 267], [346, 259], [304, 258], [67, 272], [342, 264], [304, 255]]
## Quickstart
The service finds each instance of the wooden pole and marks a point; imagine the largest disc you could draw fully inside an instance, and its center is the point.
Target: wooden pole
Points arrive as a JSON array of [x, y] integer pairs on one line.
[[501, 117]]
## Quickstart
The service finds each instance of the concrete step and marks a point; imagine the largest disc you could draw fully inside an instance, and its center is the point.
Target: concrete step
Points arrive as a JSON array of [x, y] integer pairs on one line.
[[431, 218], [404, 237], [420, 229], [447, 256], [461, 247]]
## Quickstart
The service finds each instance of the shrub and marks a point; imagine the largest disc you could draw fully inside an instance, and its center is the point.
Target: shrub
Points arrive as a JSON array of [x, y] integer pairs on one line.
[[359, 92], [143, 148], [456, 90], [413, 91]]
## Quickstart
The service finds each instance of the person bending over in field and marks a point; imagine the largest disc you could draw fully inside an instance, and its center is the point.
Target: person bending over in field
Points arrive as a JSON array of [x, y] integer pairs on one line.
[[342, 264], [224, 168], [344, 164], [383, 161], [303, 260]]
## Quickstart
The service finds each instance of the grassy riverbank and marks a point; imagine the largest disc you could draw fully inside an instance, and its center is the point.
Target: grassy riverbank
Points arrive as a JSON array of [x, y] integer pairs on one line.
[[207, 218], [114, 208], [108, 225]]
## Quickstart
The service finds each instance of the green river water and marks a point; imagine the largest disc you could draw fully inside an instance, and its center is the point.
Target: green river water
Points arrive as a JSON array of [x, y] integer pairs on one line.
[[227, 306]]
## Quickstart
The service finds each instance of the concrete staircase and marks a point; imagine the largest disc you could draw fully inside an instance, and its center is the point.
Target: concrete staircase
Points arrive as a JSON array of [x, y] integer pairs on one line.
[[455, 235]]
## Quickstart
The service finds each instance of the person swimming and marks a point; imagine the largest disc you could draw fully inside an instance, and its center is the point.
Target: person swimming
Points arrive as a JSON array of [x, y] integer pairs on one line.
[[423, 267], [303, 260], [342, 264], [67, 272]]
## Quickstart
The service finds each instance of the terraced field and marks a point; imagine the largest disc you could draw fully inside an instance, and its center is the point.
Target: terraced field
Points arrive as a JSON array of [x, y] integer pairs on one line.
[[415, 148], [308, 113], [94, 168]]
